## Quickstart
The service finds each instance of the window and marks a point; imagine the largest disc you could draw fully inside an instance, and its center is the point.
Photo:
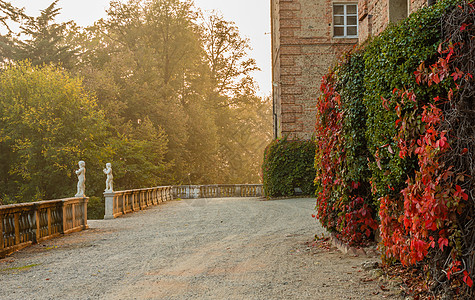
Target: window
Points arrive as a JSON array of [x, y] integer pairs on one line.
[[345, 20]]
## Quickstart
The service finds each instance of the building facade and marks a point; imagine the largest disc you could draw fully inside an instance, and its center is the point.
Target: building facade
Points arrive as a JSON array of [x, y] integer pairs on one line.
[[308, 36]]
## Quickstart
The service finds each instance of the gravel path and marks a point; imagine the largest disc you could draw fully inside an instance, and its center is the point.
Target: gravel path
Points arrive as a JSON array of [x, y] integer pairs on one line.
[[233, 248]]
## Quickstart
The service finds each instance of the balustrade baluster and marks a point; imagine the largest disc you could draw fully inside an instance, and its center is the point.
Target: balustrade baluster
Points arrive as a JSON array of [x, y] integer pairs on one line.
[[2, 245], [37, 221], [49, 220], [123, 205], [84, 220], [65, 218], [44, 222], [133, 201], [9, 231], [140, 200], [73, 214], [17, 227]]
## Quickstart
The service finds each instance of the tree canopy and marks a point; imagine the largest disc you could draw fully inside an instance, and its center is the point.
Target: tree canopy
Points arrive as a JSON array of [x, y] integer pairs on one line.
[[48, 122], [173, 88]]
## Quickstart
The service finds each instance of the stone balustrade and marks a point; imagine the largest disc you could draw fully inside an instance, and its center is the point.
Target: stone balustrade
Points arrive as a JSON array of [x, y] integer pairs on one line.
[[122, 202], [118, 203], [217, 191], [27, 223]]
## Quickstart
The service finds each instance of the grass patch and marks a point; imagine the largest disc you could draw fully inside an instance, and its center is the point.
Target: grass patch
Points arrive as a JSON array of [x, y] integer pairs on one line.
[[20, 268]]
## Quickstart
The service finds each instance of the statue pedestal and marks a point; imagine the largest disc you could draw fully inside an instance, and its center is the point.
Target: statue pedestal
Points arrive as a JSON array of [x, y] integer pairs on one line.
[[109, 205]]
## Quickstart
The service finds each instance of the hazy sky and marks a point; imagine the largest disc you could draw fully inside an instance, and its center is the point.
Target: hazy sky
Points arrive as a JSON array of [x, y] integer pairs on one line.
[[253, 23]]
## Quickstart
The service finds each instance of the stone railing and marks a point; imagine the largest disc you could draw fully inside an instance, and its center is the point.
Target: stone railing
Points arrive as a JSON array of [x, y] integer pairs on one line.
[[122, 202], [217, 191], [27, 223]]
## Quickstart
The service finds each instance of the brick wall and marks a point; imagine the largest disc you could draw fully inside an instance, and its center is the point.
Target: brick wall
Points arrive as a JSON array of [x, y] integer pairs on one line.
[[375, 15], [302, 50], [416, 4]]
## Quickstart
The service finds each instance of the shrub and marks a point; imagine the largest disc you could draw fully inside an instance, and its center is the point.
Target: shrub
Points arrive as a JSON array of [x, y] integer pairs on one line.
[[95, 208], [288, 165]]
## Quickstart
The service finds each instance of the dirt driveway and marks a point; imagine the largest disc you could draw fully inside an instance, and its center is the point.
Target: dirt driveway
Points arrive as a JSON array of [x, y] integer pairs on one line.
[[233, 248]]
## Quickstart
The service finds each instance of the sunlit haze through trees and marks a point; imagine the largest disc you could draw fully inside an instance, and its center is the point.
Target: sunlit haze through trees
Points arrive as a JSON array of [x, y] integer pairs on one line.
[[158, 88]]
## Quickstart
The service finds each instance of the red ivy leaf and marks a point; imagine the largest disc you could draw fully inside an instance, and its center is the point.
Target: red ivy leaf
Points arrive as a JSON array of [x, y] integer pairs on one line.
[[443, 242], [457, 74], [467, 279]]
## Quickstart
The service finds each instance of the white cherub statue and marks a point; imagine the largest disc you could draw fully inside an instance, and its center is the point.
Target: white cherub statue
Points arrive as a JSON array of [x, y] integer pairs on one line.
[[110, 178], [81, 179]]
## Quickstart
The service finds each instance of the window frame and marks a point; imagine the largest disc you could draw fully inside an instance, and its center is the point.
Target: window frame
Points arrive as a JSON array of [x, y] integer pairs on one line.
[[345, 19]]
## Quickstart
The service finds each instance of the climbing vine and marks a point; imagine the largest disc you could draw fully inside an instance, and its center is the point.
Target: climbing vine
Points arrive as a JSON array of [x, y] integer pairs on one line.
[[344, 203], [395, 146]]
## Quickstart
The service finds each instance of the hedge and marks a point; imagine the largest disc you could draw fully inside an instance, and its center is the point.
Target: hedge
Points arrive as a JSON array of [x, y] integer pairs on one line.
[[288, 165]]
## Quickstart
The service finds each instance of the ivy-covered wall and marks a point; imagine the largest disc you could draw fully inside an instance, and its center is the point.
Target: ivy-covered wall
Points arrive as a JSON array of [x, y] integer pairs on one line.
[[393, 145]]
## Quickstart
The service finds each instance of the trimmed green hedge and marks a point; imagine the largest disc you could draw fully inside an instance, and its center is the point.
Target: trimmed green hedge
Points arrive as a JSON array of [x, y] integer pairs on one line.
[[288, 165]]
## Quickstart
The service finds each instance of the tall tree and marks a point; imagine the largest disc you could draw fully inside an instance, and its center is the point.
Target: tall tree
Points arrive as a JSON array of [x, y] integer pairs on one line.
[[243, 116], [40, 40], [8, 14], [192, 79], [146, 58], [48, 122], [227, 54]]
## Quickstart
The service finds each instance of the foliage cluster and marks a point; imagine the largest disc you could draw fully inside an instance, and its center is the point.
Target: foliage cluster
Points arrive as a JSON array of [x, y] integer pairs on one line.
[[96, 208], [170, 95], [409, 92], [48, 123], [344, 203], [288, 165]]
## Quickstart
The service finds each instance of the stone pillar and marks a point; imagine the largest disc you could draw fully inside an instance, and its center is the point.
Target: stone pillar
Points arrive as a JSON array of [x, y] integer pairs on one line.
[[195, 191], [109, 205]]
